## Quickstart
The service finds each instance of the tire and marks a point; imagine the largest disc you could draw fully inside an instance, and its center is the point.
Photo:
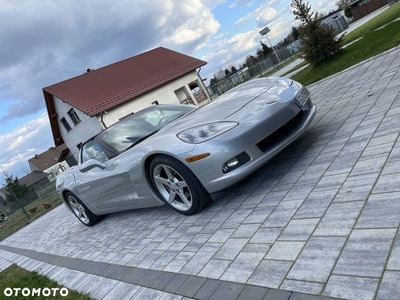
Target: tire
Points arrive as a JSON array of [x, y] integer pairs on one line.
[[80, 210], [177, 185]]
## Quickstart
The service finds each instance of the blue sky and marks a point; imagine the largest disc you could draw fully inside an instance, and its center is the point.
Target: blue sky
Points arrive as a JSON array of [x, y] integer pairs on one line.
[[45, 42]]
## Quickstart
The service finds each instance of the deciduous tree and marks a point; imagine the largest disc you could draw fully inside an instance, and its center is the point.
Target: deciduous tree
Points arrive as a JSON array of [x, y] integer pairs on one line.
[[342, 4]]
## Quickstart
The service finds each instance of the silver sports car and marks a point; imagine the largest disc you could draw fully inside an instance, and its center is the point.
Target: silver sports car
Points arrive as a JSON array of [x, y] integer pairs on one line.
[[180, 155]]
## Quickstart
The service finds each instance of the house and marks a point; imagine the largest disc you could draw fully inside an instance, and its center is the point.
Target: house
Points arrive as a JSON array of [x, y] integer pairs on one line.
[[34, 180], [83, 106], [52, 161], [361, 8], [337, 20], [295, 47]]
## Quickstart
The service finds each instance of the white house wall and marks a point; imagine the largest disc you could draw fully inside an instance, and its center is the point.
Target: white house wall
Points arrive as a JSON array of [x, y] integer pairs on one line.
[[80, 132], [54, 170], [164, 95]]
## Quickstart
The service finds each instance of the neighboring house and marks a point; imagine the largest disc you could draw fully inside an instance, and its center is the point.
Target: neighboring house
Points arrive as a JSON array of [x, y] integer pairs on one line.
[[295, 47], [82, 106], [52, 161], [361, 8], [337, 20], [35, 180]]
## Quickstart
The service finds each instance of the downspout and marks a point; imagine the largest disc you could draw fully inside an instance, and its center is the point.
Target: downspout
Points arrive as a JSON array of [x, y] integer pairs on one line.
[[203, 85], [102, 121]]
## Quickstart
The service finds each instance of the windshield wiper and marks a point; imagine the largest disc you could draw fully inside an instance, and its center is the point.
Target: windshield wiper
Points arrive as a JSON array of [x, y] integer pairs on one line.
[[141, 140]]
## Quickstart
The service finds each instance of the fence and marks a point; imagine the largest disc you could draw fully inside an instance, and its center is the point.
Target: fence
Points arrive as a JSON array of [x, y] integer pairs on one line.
[[256, 70], [17, 212]]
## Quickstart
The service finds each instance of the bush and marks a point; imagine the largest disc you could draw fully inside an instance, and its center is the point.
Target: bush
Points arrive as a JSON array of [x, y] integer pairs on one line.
[[348, 13]]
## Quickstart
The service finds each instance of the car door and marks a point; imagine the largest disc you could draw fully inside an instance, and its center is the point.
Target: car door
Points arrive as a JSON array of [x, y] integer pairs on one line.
[[105, 187]]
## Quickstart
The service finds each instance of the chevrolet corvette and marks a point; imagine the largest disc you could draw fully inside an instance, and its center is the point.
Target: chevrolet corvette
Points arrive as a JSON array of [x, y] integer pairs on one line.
[[180, 155]]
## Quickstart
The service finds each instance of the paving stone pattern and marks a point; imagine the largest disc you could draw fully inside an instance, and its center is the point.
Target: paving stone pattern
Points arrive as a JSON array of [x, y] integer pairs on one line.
[[321, 218]]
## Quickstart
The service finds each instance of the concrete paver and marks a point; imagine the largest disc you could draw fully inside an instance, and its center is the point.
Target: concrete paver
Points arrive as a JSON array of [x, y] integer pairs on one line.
[[321, 219]]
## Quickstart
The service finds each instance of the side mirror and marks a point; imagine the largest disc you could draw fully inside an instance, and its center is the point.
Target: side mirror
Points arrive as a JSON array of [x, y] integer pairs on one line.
[[90, 164]]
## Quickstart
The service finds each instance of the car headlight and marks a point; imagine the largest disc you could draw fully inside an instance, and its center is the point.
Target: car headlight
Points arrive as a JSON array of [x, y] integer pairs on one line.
[[205, 132]]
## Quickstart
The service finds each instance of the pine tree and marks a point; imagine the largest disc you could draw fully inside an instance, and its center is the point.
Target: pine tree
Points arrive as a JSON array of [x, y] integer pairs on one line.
[[12, 184], [318, 39], [266, 49]]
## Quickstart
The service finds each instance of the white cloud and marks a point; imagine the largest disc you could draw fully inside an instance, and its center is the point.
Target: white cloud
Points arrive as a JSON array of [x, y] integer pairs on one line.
[[262, 15], [38, 51], [220, 36], [23, 143], [240, 3], [324, 6], [235, 49], [45, 42], [229, 51], [197, 27], [50, 41], [213, 3], [265, 16], [274, 2]]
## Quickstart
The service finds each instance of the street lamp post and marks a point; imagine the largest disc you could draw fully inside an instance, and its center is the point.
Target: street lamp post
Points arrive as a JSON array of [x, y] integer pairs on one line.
[[263, 33]]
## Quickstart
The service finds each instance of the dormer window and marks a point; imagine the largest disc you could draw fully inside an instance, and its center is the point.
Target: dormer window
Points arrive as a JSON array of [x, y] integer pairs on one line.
[[74, 117]]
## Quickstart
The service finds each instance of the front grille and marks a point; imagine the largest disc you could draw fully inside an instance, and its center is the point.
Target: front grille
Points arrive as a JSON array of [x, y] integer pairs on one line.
[[280, 134]]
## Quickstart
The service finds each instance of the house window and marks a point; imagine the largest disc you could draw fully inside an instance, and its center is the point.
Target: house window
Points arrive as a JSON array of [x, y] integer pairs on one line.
[[74, 117], [65, 124]]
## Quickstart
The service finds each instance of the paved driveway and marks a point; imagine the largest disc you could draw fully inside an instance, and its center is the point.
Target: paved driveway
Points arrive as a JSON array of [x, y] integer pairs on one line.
[[322, 218]]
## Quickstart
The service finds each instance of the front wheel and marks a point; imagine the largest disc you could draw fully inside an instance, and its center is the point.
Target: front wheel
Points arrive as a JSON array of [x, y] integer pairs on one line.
[[177, 185], [81, 211]]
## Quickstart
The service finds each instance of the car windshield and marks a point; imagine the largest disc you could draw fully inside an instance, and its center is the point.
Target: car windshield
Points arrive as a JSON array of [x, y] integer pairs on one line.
[[133, 129]]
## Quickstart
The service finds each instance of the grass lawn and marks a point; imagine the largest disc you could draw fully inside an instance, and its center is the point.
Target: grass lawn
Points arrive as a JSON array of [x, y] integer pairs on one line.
[[372, 43], [387, 16], [18, 219], [16, 277]]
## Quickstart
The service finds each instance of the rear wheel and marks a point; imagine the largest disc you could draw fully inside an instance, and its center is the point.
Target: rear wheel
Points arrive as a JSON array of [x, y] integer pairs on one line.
[[81, 211], [177, 185]]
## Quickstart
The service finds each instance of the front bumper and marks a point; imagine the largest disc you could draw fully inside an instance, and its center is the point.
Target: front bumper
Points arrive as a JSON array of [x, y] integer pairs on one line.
[[259, 144]]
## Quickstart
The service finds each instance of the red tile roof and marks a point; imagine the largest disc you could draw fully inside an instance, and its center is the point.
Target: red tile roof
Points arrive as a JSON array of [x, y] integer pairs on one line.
[[107, 87]]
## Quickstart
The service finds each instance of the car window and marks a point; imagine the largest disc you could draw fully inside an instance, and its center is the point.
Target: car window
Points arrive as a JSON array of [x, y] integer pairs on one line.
[[154, 117], [159, 116], [92, 150], [127, 132]]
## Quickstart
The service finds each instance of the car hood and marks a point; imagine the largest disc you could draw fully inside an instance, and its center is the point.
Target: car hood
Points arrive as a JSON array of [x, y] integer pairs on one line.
[[271, 90]]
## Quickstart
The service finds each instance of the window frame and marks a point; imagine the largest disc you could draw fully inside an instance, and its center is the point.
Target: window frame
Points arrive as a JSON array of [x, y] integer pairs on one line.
[[66, 125], [92, 143], [74, 116]]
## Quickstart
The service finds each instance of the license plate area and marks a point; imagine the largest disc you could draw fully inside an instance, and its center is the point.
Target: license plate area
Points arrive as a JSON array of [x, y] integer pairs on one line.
[[302, 96]]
